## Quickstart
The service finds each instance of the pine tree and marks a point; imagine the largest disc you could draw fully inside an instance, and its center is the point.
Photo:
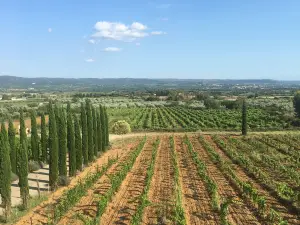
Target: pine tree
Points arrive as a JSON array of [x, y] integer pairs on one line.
[[34, 138], [102, 127], [106, 128], [78, 145], [5, 171], [99, 131], [244, 118], [62, 130], [90, 130], [84, 135], [71, 143], [22, 162], [12, 144], [43, 139], [95, 133], [53, 149]]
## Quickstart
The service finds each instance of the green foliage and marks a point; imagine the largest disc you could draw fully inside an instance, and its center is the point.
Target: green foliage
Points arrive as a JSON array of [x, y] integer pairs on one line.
[[90, 130], [99, 131], [43, 139], [62, 140], [53, 149], [121, 127], [71, 142], [106, 127], [12, 144], [22, 163], [84, 135], [78, 144], [296, 102], [33, 166], [244, 118], [103, 124], [95, 131], [34, 138], [5, 171]]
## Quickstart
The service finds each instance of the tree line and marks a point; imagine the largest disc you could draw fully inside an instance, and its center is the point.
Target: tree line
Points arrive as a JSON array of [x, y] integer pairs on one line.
[[79, 139]]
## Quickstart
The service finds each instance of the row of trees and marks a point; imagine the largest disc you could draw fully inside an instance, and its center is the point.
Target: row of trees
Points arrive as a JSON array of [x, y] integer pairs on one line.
[[77, 138]]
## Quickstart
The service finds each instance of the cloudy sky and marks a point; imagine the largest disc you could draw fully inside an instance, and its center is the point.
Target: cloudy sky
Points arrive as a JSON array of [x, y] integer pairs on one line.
[[152, 39]]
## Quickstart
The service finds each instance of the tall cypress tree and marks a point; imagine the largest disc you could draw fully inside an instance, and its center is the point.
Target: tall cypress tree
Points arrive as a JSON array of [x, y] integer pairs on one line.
[[34, 137], [22, 162], [53, 149], [84, 135], [71, 143], [44, 139], [244, 118], [106, 128], [99, 131], [90, 130], [102, 127], [5, 170], [62, 130], [95, 133], [12, 144], [78, 145]]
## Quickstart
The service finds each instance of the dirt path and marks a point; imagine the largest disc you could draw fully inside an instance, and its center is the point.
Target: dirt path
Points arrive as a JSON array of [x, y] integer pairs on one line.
[[161, 194], [272, 201], [196, 201], [87, 206], [125, 202], [238, 213], [40, 213]]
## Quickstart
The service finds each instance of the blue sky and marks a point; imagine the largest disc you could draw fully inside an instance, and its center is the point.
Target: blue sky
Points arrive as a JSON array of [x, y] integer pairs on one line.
[[151, 39]]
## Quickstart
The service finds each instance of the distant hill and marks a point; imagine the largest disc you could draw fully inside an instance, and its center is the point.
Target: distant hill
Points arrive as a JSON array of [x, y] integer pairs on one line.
[[90, 83]]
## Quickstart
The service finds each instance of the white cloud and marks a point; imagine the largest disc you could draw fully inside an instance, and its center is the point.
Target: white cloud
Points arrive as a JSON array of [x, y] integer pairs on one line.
[[112, 49], [49, 30], [90, 60], [92, 41], [158, 33], [164, 6], [119, 31]]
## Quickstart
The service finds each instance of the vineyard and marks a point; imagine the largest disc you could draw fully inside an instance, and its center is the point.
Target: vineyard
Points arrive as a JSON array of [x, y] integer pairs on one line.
[[185, 179], [180, 118]]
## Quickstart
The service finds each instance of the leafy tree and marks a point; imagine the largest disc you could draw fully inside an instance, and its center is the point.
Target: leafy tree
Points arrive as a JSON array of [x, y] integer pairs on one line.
[[296, 102], [244, 118], [103, 127], [78, 145], [121, 127], [5, 171], [90, 130], [99, 131], [43, 138], [84, 135], [34, 137], [22, 163], [95, 133], [62, 130], [71, 143], [106, 127], [211, 103], [12, 144], [53, 149]]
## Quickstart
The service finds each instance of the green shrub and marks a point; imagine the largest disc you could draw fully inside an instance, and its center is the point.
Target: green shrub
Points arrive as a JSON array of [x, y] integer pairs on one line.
[[121, 127], [13, 177], [33, 166]]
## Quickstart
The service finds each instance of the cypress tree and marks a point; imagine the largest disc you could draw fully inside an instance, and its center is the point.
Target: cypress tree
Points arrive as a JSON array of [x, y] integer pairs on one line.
[[84, 135], [106, 127], [12, 144], [95, 133], [62, 130], [89, 119], [53, 149], [43, 139], [34, 138], [78, 145], [71, 143], [244, 118], [102, 127], [99, 131], [5, 170], [22, 162]]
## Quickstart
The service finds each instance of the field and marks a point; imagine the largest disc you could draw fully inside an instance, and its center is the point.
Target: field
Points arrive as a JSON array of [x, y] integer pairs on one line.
[[185, 179]]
